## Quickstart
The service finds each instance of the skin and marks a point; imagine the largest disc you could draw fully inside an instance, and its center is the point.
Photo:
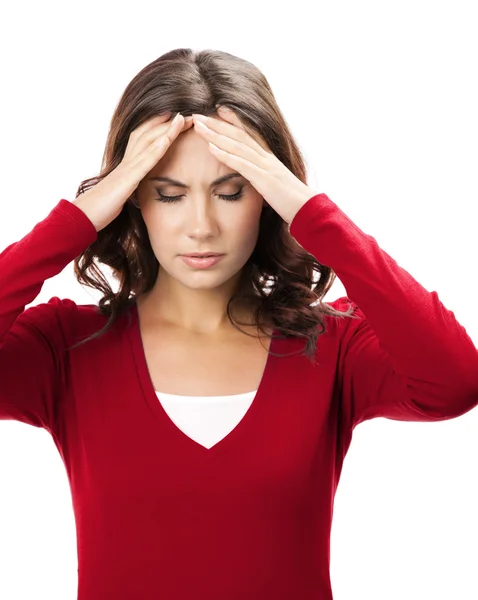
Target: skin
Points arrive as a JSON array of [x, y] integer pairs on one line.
[[191, 299]]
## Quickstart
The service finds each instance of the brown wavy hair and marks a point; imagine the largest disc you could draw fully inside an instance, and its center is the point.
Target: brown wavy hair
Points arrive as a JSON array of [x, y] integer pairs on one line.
[[280, 279]]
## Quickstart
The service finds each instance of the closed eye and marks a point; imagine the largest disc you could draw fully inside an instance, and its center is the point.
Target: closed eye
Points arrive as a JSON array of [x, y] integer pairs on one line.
[[231, 197]]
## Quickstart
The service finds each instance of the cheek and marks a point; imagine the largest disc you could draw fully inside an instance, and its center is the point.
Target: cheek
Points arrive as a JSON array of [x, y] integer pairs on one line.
[[161, 233], [248, 217], [160, 220], [246, 230]]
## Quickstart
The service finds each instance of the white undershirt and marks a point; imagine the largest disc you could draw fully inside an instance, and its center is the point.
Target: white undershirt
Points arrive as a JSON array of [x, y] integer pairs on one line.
[[206, 419]]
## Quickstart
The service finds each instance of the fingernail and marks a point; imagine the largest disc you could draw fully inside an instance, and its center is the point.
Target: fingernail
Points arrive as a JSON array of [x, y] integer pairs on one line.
[[175, 119]]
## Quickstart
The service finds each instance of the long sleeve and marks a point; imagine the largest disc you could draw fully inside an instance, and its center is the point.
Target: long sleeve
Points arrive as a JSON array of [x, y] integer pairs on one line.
[[32, 341], [406, 357]]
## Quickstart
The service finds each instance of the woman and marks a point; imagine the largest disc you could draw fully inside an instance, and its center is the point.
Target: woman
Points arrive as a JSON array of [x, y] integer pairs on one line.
[[203, 410]]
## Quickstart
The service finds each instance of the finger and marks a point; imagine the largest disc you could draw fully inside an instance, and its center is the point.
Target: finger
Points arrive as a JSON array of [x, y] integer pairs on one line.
[[155, 133], [137, 137], [149, 148], [161, 144], [179, 126], [188, 122], [149, 123], [157, 124], [229, 116], [149, 156], [250, 152], [238, 132], [250, 170], [158, 146]]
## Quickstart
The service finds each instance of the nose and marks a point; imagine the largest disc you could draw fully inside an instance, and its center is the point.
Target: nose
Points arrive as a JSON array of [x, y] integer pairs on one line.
[[202, 219]]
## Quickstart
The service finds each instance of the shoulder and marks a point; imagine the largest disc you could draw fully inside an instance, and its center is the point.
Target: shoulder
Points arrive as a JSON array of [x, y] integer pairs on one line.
[[62, 317], [344, 319]]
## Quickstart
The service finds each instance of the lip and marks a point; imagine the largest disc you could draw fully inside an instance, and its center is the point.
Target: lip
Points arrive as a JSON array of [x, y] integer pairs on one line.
[[203, 254], [199, 262]]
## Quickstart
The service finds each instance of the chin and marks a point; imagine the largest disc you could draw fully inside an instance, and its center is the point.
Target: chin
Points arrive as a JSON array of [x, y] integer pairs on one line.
[[204, 280]]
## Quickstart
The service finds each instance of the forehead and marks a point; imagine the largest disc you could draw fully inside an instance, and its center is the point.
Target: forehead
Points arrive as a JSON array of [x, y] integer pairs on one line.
[[189, 158]]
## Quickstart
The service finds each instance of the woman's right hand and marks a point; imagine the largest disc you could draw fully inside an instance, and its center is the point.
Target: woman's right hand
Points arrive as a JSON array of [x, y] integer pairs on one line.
[[147, 144]]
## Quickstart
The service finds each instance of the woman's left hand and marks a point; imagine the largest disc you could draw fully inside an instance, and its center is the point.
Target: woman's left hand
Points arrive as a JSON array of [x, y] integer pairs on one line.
[[251, 157]]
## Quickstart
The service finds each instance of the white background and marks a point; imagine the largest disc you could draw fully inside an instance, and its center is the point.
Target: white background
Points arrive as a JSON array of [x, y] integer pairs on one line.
[[382, 98]]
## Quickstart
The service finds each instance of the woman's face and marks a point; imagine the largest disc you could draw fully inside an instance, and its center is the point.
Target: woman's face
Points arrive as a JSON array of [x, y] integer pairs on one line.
[[198, 219]]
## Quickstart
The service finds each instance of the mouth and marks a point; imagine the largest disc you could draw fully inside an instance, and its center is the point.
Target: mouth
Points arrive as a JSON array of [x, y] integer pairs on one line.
[[203, 255], [201, 261]]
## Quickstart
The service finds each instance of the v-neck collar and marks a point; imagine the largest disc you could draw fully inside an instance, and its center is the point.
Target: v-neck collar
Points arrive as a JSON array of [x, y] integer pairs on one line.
[[177, 435]]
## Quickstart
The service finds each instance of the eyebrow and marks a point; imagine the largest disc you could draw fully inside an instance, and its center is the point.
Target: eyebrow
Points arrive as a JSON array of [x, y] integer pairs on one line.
[[218, 181]]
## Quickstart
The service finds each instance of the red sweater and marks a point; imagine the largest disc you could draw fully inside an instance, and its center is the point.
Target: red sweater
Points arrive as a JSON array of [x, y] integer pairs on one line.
[[161, 516]]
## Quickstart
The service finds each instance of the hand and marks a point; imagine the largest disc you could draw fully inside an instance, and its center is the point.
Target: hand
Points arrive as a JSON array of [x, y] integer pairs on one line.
[[251, 157], [147, 144]]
